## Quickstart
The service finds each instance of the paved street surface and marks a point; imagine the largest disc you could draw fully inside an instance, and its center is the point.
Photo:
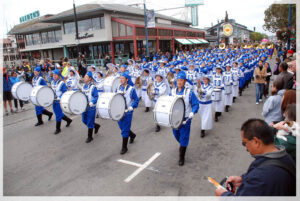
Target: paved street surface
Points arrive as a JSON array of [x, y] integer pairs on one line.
[[37, 162]]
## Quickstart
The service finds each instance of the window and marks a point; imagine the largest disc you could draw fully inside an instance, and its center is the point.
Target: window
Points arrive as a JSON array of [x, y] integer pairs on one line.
[[51, 36], [179, 33], [45, 38], [129, 31], [102, 22], [85, 25], [115, 29], [36, 39], [29, 40], [165, 32], [122, 30], [58, 36], [96, 23], [69, 27]]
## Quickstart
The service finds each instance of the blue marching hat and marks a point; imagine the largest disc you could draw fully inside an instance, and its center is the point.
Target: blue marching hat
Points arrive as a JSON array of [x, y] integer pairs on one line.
[[126, 75], [90, 74], [181, 75], [56, 71], [38, 69]]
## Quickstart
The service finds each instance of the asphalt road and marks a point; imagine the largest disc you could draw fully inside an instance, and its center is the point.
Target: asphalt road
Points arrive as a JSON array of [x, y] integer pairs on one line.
[[39, 163]]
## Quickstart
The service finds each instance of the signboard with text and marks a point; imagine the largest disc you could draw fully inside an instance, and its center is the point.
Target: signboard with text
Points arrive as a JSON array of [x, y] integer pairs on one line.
[[30, 16]]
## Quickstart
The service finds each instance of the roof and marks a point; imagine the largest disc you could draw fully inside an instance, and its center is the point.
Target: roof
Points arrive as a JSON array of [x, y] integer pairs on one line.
[[142, 23], [33, 26], [93, 9]]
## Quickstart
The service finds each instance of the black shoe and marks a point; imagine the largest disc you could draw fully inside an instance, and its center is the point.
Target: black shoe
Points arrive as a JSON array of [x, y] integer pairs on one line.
[[40, 120], [90, 135], [226, 108], [147, 109], [68, 120], [97, 126], [131, 136], [50, 116], [157, 128], [234, 99], [124, 146], [216, 117], [202, 133], [39, 123], [181, 155], [58, 123]]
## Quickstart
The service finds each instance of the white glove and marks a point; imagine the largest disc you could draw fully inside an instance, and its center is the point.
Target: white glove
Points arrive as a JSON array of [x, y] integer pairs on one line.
[[91, 104], [191, 115], [130, 109]]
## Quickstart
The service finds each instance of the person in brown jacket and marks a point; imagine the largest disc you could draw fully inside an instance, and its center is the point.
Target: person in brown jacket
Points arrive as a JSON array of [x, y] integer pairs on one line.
[[260, 73]]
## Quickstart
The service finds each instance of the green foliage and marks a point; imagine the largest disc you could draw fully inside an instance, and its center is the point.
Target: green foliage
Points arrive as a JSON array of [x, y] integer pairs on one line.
[[276, 17], [256, 36]]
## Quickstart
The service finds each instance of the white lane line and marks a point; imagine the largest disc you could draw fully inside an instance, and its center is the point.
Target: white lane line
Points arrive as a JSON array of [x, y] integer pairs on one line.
[[130, 163], [141, 168]]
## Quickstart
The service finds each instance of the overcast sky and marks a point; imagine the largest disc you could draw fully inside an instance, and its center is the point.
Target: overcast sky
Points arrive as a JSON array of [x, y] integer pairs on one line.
[[247, 12]]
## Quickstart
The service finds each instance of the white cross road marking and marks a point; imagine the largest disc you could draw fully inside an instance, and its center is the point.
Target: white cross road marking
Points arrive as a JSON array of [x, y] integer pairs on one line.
[[141, 166]]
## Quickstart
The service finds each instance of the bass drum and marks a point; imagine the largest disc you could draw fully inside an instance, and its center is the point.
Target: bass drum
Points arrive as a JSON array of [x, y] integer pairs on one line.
[[111, 106], [73, 102], [169, 111], [216, 95], [111, 83], [42, 96], [21, 91]]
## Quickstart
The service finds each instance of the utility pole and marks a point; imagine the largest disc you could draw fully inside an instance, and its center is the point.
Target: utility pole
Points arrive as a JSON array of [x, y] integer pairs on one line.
[[289, 27], [218, 33], [76, 27], [146, 29]]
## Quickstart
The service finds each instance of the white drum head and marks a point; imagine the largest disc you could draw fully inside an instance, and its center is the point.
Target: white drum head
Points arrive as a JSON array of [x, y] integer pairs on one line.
[[115, 84], [23, 91], [117, 107], [178, 112], [45, 96], [78, 103]]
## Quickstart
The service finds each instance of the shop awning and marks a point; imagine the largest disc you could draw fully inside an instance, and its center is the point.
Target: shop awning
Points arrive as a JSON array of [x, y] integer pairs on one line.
[[202, 41], [184, 41], [195, 41]]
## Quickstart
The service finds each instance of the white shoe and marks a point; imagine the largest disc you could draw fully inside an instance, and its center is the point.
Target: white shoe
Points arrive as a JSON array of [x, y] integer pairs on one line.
[[257, 103], [260, 100]]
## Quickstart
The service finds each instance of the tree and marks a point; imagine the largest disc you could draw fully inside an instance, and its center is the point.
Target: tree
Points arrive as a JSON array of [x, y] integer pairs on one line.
[[256, 36], [276, 17]]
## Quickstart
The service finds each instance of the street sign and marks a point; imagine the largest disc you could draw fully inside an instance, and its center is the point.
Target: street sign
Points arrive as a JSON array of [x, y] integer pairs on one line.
[[30, 16], [194, 15], [194, 2]]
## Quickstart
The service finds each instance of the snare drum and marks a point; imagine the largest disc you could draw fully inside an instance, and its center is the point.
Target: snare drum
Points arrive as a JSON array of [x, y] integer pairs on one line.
[[216, 95], [73, 102], [169, 111], [228, 89], [42, 96], [111, 83], [21, 91], [111, 106]]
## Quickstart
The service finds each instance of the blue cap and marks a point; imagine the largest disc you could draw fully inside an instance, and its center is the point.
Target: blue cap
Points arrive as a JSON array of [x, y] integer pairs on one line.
[[90, 74], [125, 75], [38, 69], [181, 75], [56, 71]]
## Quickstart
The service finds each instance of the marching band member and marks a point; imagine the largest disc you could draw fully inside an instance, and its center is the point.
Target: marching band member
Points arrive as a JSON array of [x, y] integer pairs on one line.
[[205, 105], [241, 78], [134, 75], [132, 102], [39, 110], [116, 71], [59, 87], [160, 88], [72, 81], [131, 65], [146, 80], [193, 77], [99, 83], [227, 80], [88, 117], [182, 135], [162, 69], [218, 83], [235, 78]]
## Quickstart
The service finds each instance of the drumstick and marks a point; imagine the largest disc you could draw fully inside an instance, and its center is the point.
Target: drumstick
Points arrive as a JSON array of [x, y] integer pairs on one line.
[[184, 122], [216, 184]]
